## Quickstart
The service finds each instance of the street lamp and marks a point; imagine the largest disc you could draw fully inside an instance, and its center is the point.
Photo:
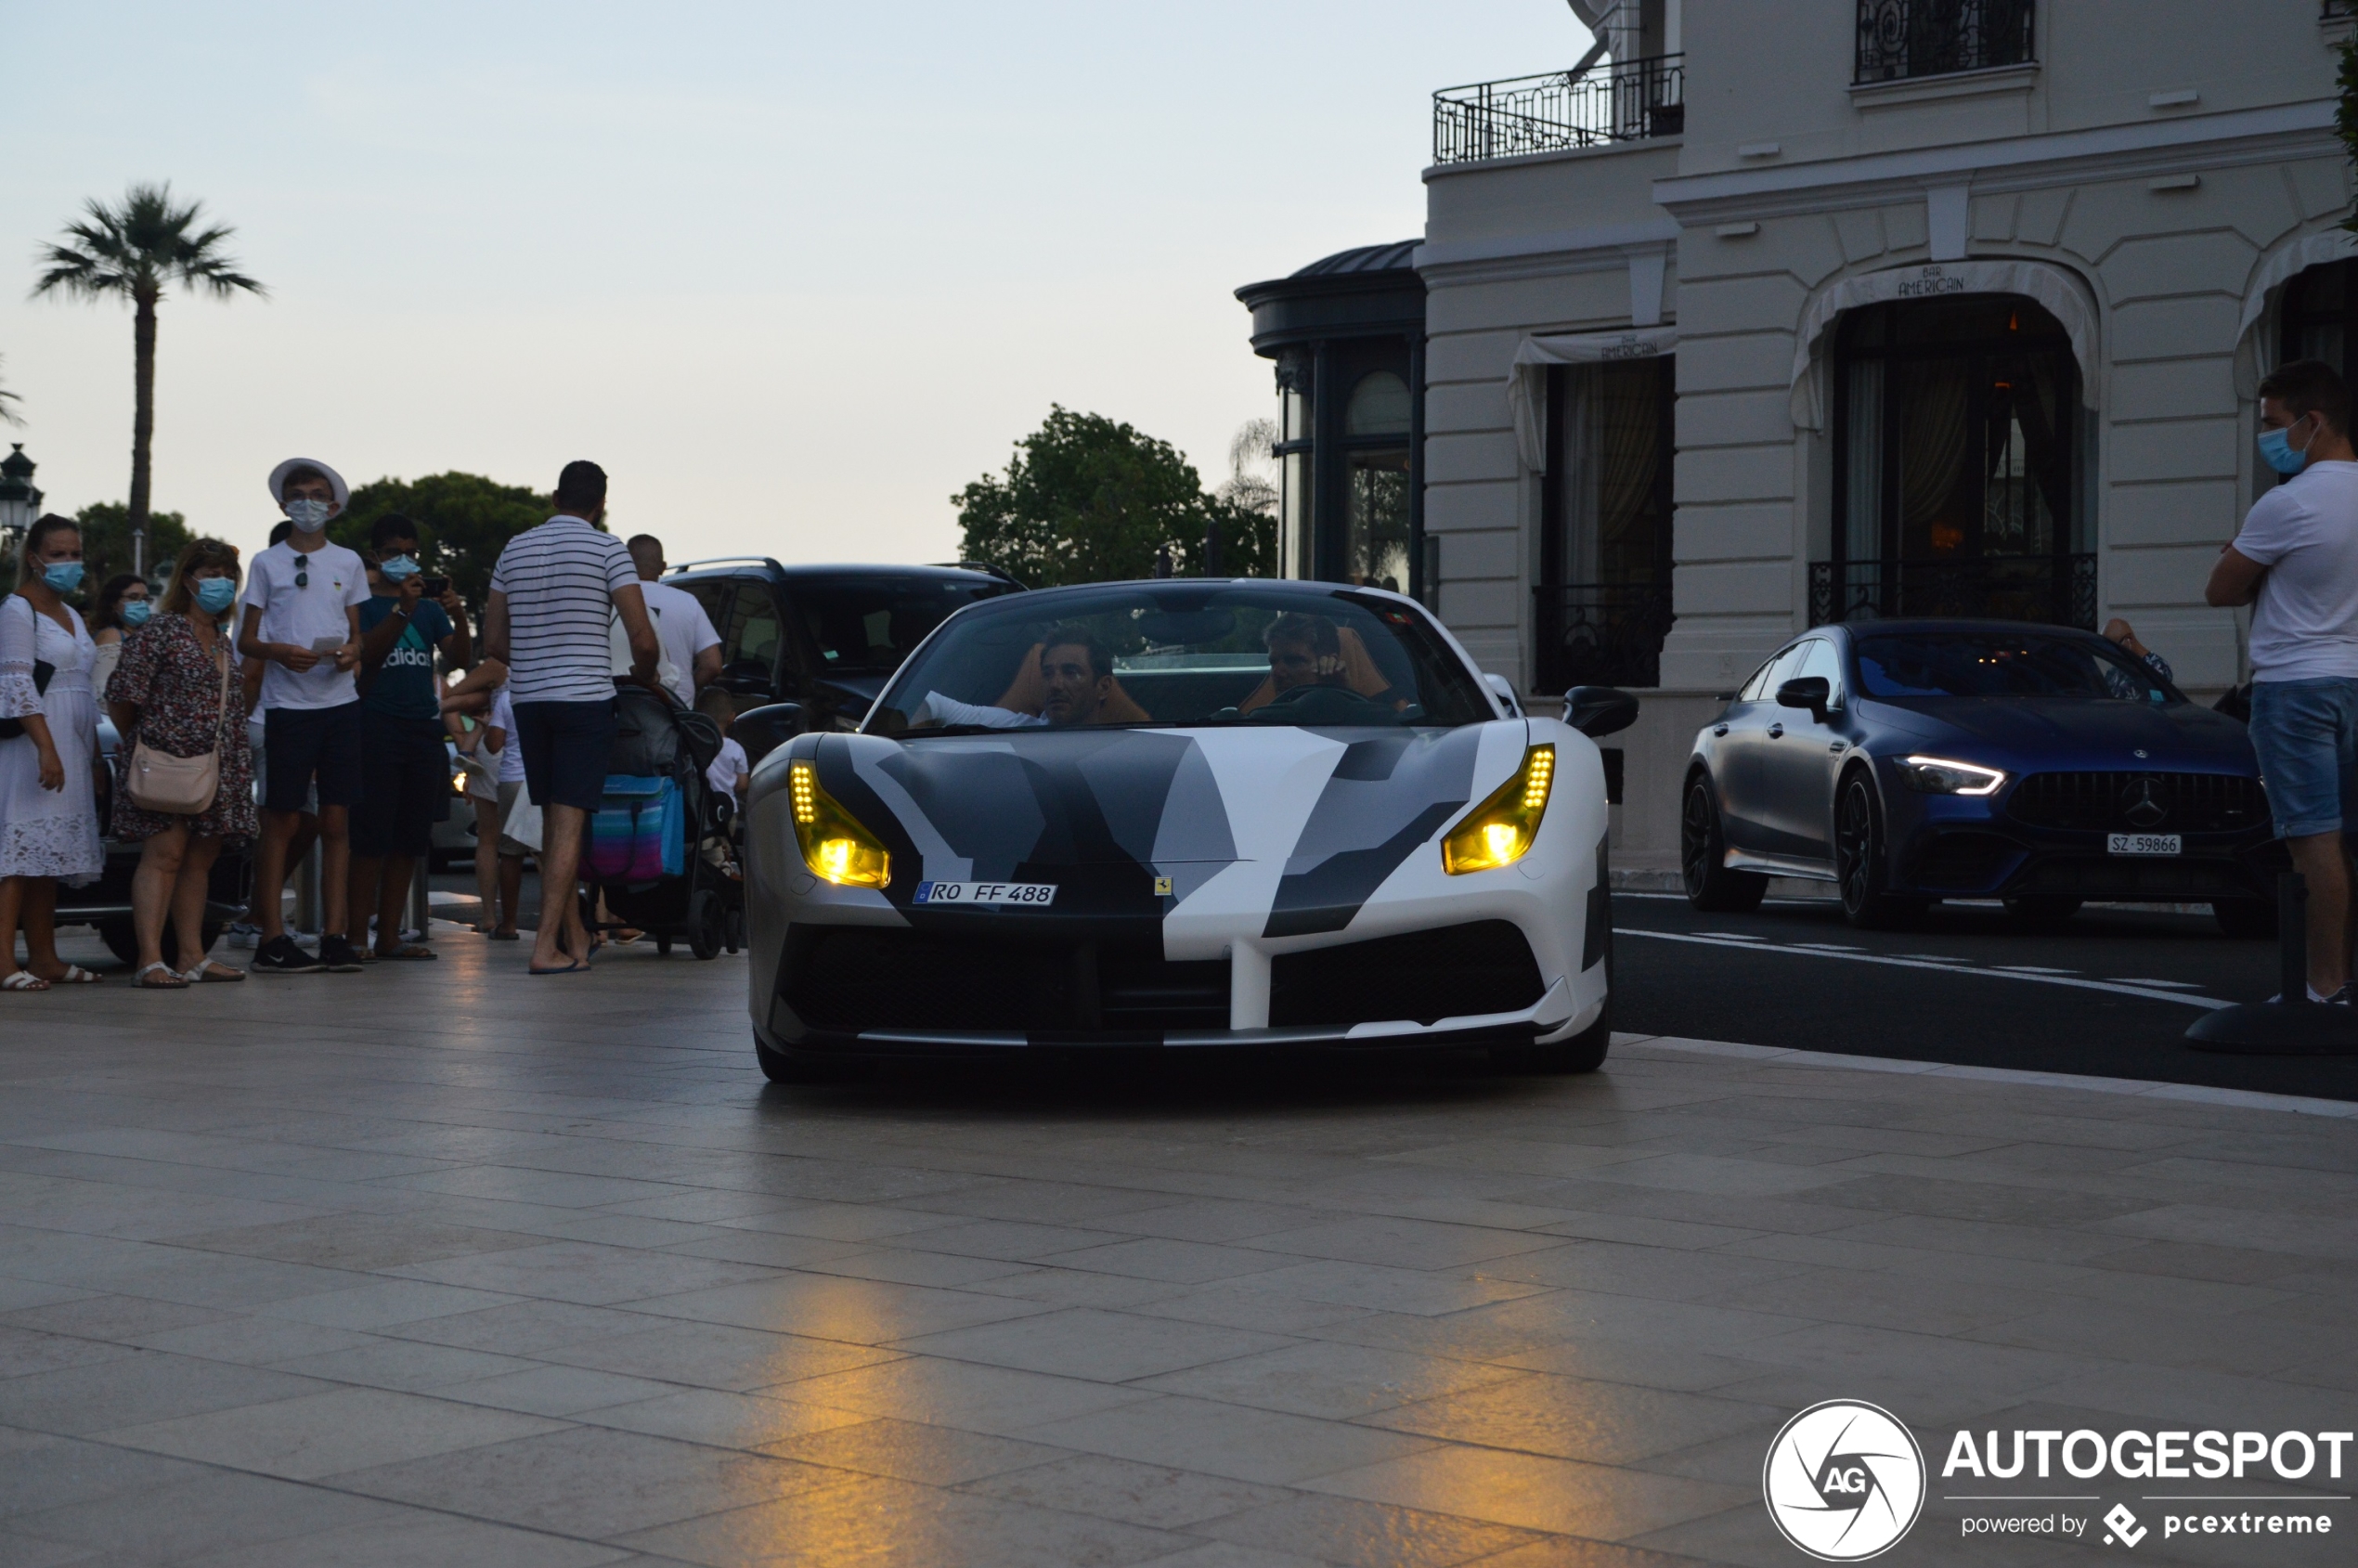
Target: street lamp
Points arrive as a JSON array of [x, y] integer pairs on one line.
[[20, 503]]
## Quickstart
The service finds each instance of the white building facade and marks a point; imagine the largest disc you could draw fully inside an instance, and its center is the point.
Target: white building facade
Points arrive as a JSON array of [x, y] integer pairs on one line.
[[1780, 315]]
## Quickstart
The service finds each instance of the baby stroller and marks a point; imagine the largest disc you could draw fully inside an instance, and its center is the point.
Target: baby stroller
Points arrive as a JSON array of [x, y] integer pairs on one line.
[[647, 849]]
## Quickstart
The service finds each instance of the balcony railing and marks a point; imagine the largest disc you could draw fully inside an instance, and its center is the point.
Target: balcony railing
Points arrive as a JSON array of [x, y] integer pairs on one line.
[[2058, 589], [1600, 634], [1625, 101], [1898, 39]]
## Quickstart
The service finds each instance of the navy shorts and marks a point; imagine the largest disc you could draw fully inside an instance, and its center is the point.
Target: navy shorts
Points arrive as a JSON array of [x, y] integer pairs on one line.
[[404, 785], [304, 742], [565, 751]]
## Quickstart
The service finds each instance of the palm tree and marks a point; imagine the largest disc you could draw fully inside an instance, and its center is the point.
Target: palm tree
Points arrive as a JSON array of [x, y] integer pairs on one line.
[[7, 414], [132, 252]]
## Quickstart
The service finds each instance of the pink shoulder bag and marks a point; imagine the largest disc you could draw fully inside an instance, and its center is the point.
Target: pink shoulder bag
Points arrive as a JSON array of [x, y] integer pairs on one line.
[[180, 787]]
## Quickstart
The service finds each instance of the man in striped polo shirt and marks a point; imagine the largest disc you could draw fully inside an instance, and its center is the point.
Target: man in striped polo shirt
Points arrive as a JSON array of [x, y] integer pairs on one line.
[[552, 594]]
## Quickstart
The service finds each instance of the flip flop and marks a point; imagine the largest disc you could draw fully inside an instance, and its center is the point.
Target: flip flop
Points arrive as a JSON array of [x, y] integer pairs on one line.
[[507, 936], [207, 972], [76, 975], [172, 979], [23, 979], [568, 969], [409, 951]]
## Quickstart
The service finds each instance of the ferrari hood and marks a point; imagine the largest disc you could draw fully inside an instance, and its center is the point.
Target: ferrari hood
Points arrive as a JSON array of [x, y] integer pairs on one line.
[[1129, 823]]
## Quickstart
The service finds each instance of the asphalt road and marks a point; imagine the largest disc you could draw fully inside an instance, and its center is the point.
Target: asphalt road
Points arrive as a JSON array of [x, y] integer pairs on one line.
[[2110, 994]]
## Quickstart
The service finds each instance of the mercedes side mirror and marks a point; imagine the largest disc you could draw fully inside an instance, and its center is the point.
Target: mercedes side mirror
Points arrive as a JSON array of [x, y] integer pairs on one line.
[[763, 729], [1599, 710], [1808, 691]]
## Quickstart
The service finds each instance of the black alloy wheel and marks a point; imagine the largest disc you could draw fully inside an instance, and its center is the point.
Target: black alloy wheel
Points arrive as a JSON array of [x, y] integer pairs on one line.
[[1703, 858], [1860, 863]]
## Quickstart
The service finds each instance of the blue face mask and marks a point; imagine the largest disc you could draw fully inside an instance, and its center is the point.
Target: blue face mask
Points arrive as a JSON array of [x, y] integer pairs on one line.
[[309, 516], [134, 612], [62, 575], [216, 594], [398, 568], [2276, 451]]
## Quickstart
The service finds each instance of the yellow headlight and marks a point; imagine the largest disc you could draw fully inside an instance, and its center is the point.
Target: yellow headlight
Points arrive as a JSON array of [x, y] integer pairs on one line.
[[833, 843], [458, 784], [1500, 830]]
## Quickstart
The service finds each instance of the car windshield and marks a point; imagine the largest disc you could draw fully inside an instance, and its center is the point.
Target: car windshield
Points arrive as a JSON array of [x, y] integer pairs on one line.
[[1990, 664], [1183, 654], [868, 624]]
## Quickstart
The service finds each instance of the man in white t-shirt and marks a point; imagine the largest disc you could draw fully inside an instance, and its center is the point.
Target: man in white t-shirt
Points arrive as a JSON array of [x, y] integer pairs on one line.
[[691, 647], [302, 618], [2294, 562]]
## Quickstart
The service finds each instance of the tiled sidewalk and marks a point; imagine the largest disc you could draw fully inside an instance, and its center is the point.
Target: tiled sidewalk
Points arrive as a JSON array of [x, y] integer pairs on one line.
[[447, 1266]]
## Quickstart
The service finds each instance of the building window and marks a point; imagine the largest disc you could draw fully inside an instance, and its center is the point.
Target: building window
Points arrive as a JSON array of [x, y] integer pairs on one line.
[[1898, 39], [1375, 431], [1603, 601], [2320, 309], [1958, 466]]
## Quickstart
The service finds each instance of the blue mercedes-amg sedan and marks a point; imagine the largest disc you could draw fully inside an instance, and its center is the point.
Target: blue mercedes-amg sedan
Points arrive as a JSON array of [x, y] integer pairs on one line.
[[1909, 761]]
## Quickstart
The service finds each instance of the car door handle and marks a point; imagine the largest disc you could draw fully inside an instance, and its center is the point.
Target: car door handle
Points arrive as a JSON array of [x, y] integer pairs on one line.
[[1837, 746], [1719, 729], [1776, 731]]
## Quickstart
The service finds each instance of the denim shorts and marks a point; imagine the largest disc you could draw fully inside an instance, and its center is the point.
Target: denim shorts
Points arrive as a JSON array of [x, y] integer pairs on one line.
[[2306, 733]]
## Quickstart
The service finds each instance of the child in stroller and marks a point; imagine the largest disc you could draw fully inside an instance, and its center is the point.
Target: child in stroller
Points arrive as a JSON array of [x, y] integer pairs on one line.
[[646, 842]]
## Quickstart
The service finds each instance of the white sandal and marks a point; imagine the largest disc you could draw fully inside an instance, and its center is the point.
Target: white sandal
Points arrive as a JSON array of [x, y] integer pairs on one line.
[[174, 975], [76, 975], [24, 980], [202, 973]]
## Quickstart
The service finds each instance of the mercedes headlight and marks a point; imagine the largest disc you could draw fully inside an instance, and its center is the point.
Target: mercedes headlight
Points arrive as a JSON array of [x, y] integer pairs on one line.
[[833, 843], [1939, 775], [1500, 830]]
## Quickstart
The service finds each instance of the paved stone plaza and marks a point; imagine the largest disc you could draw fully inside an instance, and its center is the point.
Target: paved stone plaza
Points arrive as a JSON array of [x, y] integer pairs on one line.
[[447, 1266]]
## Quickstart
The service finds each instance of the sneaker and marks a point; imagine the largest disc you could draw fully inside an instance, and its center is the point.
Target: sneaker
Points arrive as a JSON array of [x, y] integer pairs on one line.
[[243, 935], [337, 957], [280, 956]]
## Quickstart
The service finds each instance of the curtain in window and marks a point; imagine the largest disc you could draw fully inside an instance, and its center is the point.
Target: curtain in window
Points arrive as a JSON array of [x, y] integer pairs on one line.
[[1932, 457], [1629, 459]]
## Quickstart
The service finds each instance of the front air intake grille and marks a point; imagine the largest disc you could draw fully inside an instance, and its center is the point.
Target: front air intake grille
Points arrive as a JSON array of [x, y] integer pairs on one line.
[[1963, 861], [847, 979], [1452, 972], [2126, 802]]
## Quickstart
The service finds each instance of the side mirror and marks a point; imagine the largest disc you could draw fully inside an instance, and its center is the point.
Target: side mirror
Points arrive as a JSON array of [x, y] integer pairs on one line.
[[1506, 694], [1808, 691], [763, 729], [1599, 710]]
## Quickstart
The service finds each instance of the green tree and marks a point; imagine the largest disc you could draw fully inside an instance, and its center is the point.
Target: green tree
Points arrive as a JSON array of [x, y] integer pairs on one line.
[[464, 521], [1087, 500], [106, 542], [135, 252]]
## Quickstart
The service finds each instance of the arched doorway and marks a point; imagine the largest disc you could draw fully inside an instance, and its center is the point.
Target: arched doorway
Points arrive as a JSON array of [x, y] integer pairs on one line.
[[1959, 471]]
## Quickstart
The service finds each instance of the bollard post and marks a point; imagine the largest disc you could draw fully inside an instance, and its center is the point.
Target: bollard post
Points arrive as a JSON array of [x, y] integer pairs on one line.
[[2292, 938], [307, 903]]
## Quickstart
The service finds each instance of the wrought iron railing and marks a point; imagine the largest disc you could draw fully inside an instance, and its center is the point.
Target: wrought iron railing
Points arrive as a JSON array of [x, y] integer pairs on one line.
[[1902, 38], [1600, 634], [2058, 589], [1625, 101]]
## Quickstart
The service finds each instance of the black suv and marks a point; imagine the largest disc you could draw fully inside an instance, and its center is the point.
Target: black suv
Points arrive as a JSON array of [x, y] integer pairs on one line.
[[825, 636]]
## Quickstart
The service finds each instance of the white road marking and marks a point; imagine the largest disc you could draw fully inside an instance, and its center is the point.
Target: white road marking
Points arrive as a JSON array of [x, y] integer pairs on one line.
[[2031, 969], [1732, 936], [1935, 957], [2208, 1003], [2172, 985], [1830, 947]]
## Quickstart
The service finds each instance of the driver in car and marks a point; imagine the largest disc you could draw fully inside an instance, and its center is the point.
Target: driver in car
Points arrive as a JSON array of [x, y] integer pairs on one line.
[[1076, 675], [1303, 651]]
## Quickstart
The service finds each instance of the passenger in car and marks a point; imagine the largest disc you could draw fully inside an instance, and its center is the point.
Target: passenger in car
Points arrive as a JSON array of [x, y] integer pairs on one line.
[[1068, 679], [1307, 650]]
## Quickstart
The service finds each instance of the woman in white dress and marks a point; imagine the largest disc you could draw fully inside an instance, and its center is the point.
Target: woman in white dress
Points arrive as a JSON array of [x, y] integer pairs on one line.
[[48, 806]]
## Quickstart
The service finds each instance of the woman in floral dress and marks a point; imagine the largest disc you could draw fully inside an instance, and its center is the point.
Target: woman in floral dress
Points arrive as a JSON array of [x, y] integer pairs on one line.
[[167, 694]]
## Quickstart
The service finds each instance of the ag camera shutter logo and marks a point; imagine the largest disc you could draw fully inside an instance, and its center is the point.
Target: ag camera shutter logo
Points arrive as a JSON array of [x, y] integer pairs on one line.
[[1844, 1481]]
